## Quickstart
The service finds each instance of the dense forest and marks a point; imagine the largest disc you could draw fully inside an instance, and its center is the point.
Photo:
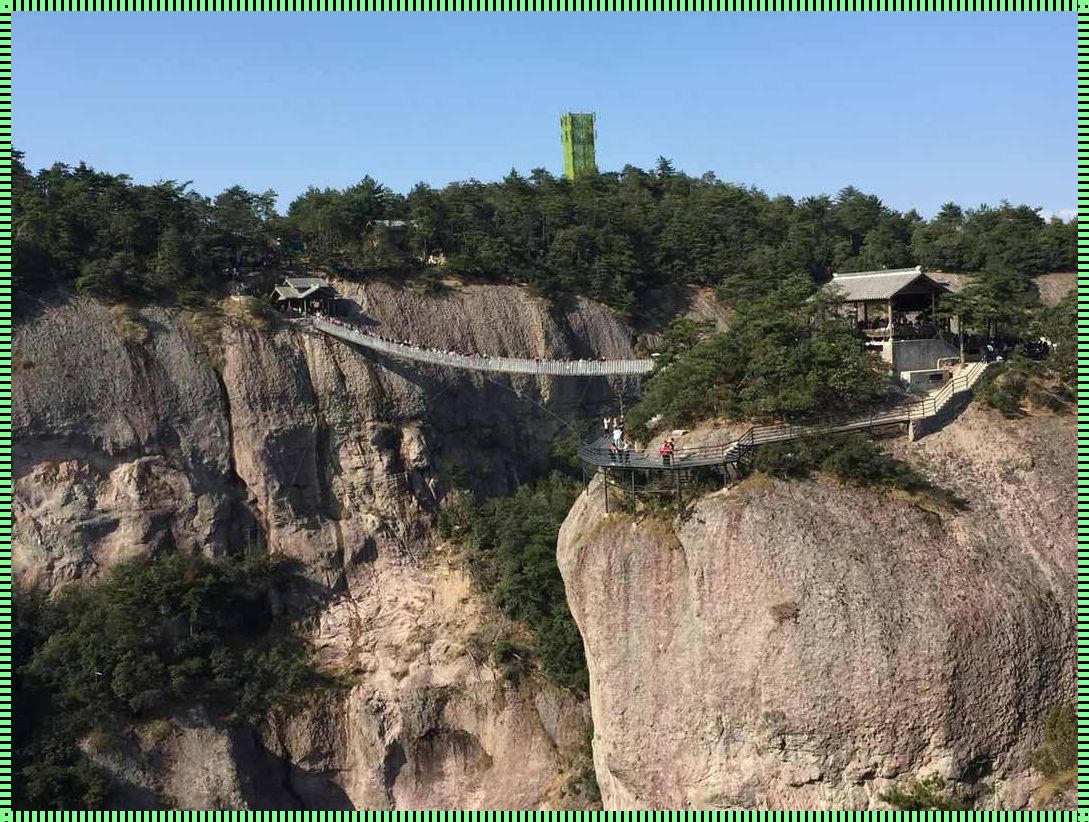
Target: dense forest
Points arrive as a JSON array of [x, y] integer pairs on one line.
[[611, 237]]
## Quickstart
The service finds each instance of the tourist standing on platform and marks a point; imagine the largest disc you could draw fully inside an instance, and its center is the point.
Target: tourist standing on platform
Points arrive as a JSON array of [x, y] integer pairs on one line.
[[667, 451]]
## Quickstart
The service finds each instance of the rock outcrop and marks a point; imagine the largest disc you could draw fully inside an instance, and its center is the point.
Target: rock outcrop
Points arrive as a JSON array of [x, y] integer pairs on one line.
[[150, 430], [804, 645]]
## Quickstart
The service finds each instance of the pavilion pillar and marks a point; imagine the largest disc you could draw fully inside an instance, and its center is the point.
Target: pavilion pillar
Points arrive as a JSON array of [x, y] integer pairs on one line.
[[890, 318]]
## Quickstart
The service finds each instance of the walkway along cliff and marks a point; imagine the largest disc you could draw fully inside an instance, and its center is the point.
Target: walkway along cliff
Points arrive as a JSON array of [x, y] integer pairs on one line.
[[919, 417]]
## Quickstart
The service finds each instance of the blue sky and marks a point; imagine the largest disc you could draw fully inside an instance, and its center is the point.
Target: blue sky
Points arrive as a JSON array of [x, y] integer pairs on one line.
[[918, 109]]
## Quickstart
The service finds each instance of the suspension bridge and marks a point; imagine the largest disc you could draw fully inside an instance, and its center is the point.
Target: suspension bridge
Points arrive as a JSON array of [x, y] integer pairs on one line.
[[480, 362]]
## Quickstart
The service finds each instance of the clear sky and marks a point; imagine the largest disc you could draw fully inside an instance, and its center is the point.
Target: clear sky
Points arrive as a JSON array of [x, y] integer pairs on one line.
[[918, 109]]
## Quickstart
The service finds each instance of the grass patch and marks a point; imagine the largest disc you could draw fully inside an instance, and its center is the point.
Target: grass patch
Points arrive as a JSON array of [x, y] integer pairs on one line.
[[784, 612], [130, 324], [206, 326], [1057, 756], [250, 312]]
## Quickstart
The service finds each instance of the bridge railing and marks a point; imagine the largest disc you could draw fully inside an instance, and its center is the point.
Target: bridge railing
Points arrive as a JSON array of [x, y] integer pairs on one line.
[[477, 362]]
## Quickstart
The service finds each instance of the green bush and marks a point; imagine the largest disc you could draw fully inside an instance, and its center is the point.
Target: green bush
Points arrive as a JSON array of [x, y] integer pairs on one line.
[[154, 636], [512, 659], [852, 458], [1049, 383], [1006, 390]]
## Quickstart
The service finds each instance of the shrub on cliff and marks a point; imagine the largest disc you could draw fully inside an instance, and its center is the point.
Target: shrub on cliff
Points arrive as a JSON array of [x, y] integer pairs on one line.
[[926, 794], [1021, 379], [1059, 324], [852, 458], [1058, 753], [154, 636]]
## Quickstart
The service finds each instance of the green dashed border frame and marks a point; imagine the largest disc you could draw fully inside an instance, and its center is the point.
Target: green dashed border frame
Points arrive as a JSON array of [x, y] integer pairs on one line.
[[546, 5], [6, 9]]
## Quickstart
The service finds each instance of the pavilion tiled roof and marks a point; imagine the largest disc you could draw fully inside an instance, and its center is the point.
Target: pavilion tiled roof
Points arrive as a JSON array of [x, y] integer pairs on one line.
[[859, 286]]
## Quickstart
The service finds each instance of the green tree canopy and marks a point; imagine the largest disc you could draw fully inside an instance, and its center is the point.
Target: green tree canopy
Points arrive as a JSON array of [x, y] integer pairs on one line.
[[614, 237], [788, 355]]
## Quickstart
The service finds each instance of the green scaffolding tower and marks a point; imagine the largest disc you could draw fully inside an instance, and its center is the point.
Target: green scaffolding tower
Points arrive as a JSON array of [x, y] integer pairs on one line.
[[578, 135]]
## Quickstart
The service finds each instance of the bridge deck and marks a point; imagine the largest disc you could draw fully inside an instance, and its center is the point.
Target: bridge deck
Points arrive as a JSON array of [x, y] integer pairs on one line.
[[505, 365]]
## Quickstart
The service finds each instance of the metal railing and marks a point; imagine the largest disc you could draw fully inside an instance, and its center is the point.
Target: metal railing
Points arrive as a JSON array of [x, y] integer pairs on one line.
[[597, 453], [475, 362]]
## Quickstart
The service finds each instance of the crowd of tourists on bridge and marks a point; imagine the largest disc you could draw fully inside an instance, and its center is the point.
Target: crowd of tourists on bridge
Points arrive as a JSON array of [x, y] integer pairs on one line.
[[450, 352]]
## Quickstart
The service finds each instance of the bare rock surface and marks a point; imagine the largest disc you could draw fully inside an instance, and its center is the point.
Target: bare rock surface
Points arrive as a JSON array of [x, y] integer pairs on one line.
[[808, 644], [1050, 287], [498, 320], [661, 305]]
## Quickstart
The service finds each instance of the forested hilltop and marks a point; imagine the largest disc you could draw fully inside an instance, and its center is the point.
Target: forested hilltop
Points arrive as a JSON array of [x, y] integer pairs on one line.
[[611, 237]]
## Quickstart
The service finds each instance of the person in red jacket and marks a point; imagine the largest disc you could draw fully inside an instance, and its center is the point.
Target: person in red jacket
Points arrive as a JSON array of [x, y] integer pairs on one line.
[[667, 451]]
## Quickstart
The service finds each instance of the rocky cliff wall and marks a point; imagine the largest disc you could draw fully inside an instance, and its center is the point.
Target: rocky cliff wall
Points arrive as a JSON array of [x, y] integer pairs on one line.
[[142, 431], [807, 644]]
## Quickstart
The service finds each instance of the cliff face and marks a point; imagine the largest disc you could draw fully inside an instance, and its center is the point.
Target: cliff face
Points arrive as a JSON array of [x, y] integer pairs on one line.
[[807, 644], [141, 431]]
